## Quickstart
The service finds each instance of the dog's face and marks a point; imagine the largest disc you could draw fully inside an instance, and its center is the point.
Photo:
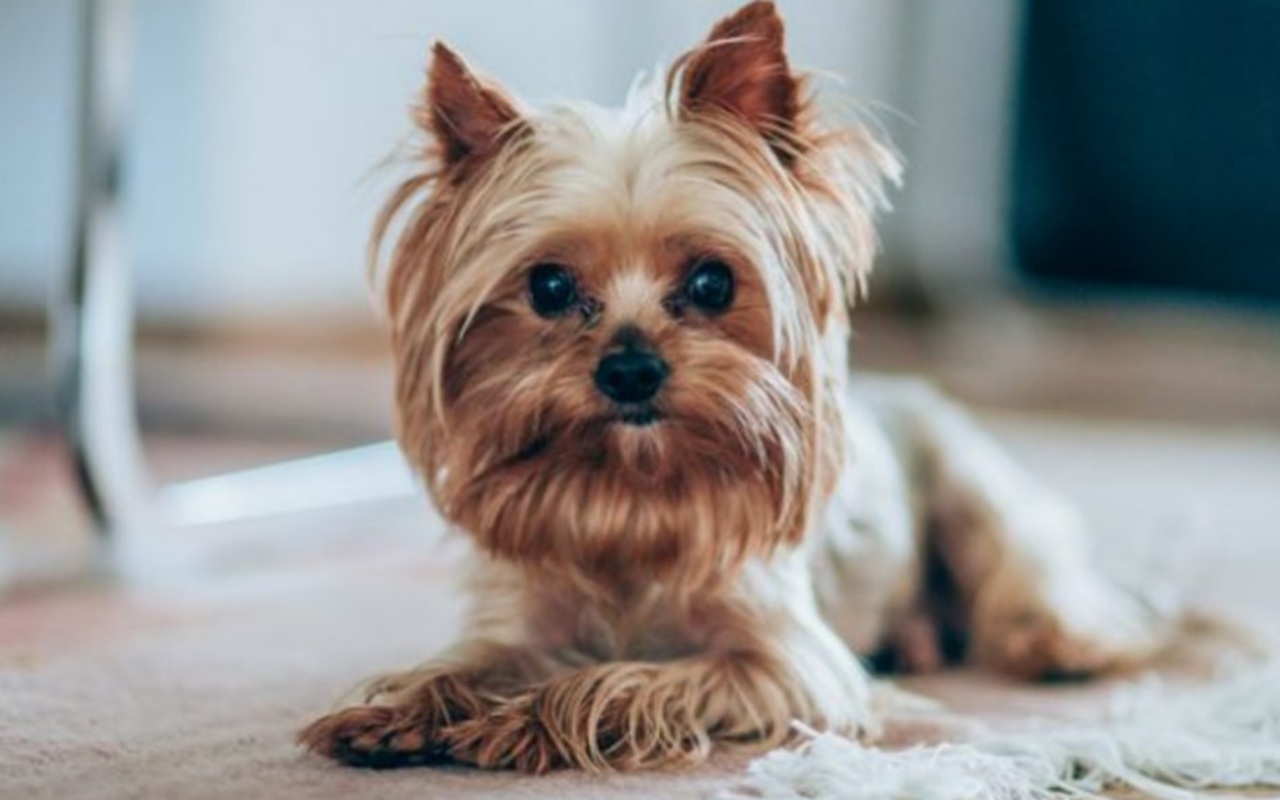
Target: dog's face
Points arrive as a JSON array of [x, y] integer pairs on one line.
[[611, 328]]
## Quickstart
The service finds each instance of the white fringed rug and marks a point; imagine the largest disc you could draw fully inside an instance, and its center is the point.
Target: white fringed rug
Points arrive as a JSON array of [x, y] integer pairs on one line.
[[1162, 740]]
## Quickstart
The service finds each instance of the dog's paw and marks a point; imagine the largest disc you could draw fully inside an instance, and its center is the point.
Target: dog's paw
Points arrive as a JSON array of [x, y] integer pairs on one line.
[[1084, 628], [584, 721], [378, 737], [509, 737], [405, 726]]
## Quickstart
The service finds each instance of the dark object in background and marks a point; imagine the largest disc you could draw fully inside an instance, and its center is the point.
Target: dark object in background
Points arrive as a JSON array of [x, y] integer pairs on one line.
[[1147, 149]]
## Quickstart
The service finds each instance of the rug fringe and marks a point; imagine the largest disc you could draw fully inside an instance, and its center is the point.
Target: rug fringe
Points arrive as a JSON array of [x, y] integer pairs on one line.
[[1170, 742]]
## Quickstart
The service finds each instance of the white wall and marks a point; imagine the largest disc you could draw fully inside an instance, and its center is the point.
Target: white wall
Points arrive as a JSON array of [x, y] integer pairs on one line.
[[37, 74], [952, 222], [257, 124]]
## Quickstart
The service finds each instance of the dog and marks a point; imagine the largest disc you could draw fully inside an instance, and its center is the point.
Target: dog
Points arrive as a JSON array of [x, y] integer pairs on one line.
[[620, 343]]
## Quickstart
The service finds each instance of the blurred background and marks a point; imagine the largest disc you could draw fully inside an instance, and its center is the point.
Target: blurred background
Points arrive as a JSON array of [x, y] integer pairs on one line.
[[1089, 226]]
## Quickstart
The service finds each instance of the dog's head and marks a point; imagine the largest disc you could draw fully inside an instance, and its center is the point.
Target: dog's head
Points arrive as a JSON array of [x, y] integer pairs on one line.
[[618, 333]]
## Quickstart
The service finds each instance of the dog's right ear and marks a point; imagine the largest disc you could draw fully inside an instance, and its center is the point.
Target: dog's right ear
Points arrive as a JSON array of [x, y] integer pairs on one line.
[[469, 116]]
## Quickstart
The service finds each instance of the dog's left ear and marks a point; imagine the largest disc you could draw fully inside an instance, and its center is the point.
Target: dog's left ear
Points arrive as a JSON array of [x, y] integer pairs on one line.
[[742, 70]]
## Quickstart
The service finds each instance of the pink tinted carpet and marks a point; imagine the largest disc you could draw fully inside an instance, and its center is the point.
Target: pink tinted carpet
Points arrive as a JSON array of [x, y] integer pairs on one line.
[[196, 692]]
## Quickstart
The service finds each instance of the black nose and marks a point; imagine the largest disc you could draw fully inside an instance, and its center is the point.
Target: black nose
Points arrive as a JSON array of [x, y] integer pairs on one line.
[[631, 375]]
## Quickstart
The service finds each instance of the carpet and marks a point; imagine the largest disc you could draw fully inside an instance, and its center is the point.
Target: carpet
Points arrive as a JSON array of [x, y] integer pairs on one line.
[[195, 691]]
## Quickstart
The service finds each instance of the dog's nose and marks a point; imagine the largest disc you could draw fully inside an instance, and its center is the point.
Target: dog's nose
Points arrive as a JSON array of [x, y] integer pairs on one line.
[[631, 375]]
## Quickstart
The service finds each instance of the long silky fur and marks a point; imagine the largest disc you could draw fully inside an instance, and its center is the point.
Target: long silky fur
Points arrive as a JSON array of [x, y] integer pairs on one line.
[[484, 442], [642, 592]]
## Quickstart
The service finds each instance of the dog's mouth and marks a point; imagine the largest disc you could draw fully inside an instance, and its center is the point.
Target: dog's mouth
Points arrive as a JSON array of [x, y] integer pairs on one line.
[[638, 416], [631, 415]]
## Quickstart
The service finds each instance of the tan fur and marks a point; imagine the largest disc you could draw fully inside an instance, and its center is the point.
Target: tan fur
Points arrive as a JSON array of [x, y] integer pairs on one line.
[[644, 594]]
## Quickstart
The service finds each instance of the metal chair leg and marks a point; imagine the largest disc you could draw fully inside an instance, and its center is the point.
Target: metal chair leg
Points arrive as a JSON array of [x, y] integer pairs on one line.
[[92, 337], [91, 314]]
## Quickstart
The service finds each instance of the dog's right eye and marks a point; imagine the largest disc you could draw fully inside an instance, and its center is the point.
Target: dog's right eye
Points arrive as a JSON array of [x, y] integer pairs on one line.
[[551, 290]]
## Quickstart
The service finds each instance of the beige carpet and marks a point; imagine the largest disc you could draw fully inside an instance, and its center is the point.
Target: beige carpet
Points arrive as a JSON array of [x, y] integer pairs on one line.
[[195, 692]]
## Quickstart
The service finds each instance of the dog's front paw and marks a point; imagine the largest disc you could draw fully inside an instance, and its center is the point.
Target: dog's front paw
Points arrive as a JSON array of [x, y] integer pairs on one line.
[[378, 737], [612, 717], [509, 737], [405, 727]]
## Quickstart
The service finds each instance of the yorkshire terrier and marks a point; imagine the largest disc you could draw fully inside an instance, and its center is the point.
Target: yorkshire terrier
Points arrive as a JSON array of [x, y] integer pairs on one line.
[[620, 342]]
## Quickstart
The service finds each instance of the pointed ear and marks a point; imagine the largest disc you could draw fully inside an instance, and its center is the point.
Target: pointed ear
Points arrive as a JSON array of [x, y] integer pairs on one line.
[[469, 116], [742, 70]]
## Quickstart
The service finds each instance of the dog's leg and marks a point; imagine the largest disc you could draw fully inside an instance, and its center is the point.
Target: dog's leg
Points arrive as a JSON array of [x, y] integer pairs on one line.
[[405, 717], [1037, 606], [627, 715], [633, 715]]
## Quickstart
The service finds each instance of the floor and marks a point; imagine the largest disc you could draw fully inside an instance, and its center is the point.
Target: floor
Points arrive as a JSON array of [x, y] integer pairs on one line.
[[194, 691], [183, 670]]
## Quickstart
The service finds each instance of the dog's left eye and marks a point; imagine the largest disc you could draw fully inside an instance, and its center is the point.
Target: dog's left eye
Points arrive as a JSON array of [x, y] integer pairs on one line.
[[551, 290], [710, 286]]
